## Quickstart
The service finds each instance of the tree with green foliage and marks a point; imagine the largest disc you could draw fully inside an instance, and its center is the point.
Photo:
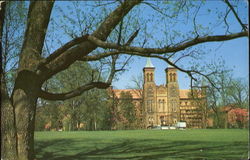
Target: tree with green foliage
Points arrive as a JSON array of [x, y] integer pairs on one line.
[[98, 45], [95, 110], [127, 110], [224, 91], [86, 108], [238, 93], [112, 111]]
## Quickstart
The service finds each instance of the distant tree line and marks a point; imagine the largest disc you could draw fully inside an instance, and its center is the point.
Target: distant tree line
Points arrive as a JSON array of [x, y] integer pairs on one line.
[[93, 110], [89, 111], [227, 98]]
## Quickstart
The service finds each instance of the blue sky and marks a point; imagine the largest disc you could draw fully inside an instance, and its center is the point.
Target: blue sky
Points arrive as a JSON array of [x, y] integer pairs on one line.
[[234, 52]]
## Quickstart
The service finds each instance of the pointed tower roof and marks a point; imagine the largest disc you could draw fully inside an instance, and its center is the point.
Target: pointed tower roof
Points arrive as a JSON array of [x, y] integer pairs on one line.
[[149, 63], [203, 82]]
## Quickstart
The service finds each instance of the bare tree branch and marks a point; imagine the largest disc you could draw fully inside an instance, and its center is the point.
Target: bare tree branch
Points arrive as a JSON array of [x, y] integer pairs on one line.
[[102, 85], [167, 49], [194, 19], [113, 69], [115, 56], [236, 15], [110, 53], [65, 47], [147, 52], [183, 56], [154, 7], [65, 59], [225, 20], [77, 92]]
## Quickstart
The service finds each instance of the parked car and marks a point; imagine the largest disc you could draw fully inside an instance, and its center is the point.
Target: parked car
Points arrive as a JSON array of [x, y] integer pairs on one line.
[[158, 127], [172, 127], [181, 125], [164, 127]]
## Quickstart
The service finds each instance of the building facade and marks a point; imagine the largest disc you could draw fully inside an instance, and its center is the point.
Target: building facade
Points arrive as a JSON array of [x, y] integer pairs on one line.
[[167, 104]]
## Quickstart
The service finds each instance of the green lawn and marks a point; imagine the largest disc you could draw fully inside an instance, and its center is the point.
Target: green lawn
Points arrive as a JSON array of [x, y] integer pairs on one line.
[[204, 144]]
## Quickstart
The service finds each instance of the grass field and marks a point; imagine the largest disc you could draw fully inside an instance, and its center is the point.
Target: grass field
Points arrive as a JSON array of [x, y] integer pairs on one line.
[[204, 144]]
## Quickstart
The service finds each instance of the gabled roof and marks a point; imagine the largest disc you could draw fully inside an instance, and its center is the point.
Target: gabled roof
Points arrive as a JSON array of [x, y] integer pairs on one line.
[[186, 93], [136, 93]]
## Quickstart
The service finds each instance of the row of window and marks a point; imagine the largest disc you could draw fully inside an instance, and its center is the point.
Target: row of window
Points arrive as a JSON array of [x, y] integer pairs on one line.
[[184, 103], [172, 77], [192, 118], [188, 108], [191, 110], [161, 104], [191, 115]]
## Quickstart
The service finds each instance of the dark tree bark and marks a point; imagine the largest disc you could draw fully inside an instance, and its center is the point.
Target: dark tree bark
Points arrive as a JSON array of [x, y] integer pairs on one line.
[[27, 83], [8, 130], [30, 76]]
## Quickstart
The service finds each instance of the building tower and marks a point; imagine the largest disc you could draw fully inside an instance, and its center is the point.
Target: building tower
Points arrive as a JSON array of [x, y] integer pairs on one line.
[[149, 93], [173, 109]]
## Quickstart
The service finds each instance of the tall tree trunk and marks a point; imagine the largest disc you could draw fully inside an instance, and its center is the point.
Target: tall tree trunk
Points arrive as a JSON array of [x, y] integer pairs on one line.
[[24, 100], [27, 82], [8, 130]]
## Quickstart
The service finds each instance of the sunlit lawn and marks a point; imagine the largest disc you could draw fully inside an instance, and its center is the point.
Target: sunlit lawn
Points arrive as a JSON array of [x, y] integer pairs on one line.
[[215, 144]]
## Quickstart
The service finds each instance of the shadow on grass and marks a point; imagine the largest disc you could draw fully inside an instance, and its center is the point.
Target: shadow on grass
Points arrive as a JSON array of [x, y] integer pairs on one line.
[[95, 149]]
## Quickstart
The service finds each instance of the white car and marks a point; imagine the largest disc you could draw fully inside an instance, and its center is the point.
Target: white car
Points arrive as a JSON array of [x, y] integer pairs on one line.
[[164, 127], [181, 125], [156, 127], [172, 127]]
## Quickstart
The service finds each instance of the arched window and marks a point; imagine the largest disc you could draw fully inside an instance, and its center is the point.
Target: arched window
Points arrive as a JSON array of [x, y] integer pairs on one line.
[[159, 103], [163, 105], [151, 77], [170, 75], [174, 106], [174, 77], [147, 77], [150, 92], [150, 105]]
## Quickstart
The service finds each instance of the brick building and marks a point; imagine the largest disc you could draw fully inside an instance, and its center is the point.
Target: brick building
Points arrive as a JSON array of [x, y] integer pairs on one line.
[[167, 104]]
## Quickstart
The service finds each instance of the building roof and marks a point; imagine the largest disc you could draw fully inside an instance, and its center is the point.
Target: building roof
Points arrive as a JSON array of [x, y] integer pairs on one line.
[[184, 93], [149, 63], [229, 107], [136, 93]]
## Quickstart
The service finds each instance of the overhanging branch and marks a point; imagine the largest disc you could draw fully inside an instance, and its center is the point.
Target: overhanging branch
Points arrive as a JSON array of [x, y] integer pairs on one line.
[[106, 54], [64, 59], [167, 49], [65, 47], [77, 92]]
